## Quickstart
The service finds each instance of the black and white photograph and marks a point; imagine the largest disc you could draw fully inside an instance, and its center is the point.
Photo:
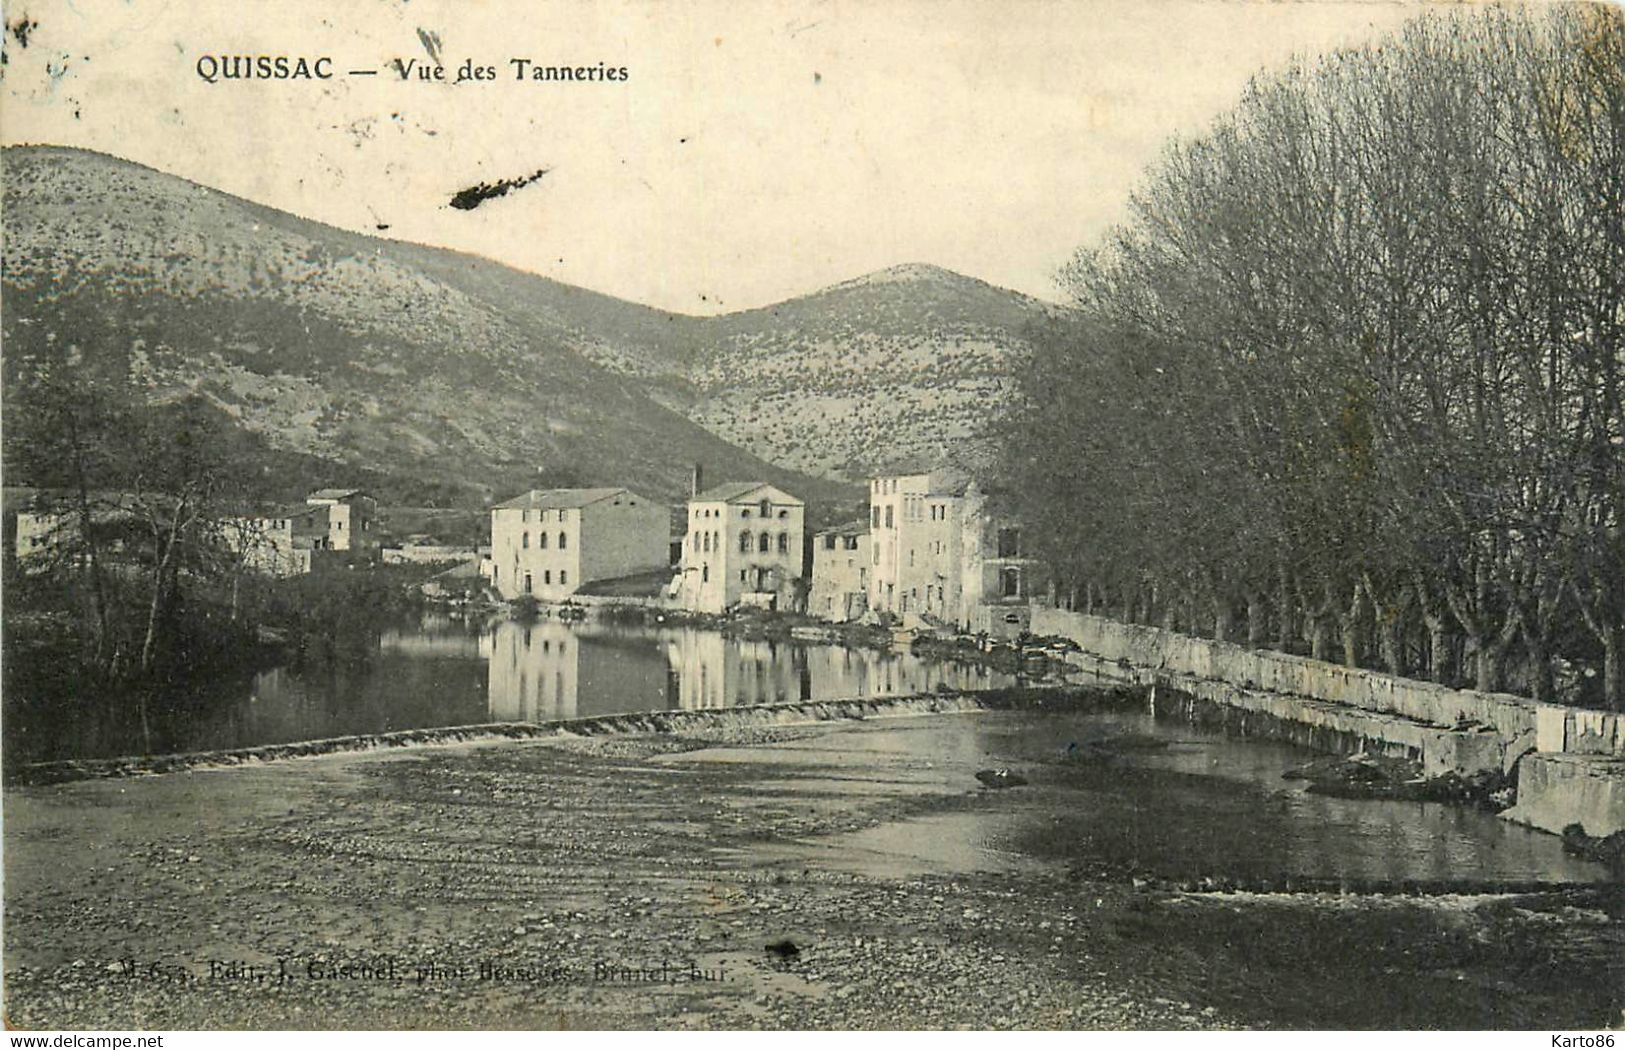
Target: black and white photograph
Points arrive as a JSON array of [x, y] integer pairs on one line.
[[812, 515]]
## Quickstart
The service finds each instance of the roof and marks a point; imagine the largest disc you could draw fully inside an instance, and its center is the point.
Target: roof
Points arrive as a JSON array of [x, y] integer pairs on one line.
[[730, 491], [940, 481], [855, 527], [336, 493], [279, 510], [557, 499]]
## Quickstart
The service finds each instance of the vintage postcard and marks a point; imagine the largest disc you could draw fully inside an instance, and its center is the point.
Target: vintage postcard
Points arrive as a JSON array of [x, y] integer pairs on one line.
[[808, 514]]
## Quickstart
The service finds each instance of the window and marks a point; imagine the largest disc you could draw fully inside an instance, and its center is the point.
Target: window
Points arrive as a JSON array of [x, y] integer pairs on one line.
[[716, 541], [1010, 582], [744, 574], [851, 543], [784, 514], [767, 509], [524, 515], [829, 542], [744, 542], [763, 544], [564, 539], [708, 543], [696, 539], [524, 540], [547, 577], [564, 577], [1009, 543], [889, 521], [527, 583], [705, 574], [784, 543], [874, 517], [744, 512], [541, 540]]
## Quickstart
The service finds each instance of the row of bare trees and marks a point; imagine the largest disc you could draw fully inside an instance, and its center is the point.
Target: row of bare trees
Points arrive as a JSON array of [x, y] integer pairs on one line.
[[1350, 376]]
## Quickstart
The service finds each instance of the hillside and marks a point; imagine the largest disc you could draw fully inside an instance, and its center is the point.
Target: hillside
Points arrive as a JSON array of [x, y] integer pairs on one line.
[[904, 364], [354, 349], [462, 379]]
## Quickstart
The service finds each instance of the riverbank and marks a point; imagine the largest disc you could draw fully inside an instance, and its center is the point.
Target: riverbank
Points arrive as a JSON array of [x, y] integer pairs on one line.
[[638, 880]]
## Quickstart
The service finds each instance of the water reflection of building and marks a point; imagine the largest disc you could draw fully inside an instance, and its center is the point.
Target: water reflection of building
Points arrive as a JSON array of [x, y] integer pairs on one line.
[[546, 670], [713, 670], [716, 671]]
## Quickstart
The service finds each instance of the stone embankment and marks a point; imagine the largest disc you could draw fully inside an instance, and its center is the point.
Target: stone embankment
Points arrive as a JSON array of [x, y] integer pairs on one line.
[[1568, 763]]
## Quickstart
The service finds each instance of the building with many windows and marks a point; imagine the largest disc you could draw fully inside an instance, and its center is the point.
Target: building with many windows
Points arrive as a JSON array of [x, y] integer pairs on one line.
[[548, 543], [914, 546], [743, 546], [943, 552]]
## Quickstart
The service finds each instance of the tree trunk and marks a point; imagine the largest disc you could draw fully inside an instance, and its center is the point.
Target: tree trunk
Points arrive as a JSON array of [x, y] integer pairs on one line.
[[1320, 639], [1221, 618], [1390, 618], [1284, 626], [1613, 674], [87, 531], [1257, 627], [1541, 686], [1601, 614], [1492, 652], [1348, 622], [1434, 617], [1439, 663]]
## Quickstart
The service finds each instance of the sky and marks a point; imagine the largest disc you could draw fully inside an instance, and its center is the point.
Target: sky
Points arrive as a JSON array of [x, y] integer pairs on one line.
[[757, 149]]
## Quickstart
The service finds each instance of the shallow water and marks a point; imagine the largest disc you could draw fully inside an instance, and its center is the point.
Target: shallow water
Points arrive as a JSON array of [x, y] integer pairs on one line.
[[1205, 806]]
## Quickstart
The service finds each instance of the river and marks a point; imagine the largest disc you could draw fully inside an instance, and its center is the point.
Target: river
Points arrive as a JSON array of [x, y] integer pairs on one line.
[[432, 671], [1200, 803]]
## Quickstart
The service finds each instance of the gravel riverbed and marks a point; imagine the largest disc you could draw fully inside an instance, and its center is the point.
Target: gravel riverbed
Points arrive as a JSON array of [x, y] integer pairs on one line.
[[640, 880]]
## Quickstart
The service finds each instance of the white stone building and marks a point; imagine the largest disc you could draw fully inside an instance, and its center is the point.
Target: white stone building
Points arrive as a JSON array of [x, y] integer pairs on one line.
[[743, 545], [915, 547], [549, 543]]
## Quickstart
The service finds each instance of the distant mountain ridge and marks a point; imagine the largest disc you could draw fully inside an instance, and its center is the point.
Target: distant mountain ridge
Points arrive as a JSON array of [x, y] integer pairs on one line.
[[429, 364]]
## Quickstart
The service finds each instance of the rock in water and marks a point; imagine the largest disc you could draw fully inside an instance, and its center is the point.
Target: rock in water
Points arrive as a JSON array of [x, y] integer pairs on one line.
[[1000, 778]]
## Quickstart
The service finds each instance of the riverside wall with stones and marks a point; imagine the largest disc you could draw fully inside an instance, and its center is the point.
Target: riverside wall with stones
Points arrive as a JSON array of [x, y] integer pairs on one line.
[[1570, 762]]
